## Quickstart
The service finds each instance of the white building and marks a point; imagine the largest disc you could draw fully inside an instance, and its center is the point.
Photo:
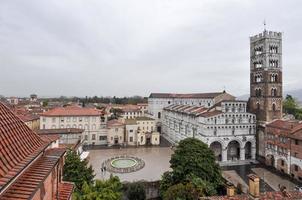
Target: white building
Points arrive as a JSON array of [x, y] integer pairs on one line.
[[131, 111], [93, 121], [226, 127], [141, 131], [158, 101]]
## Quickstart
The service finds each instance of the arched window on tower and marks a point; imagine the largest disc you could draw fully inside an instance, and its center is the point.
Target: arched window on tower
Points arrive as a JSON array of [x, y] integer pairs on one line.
[[274, 107], [274, 78], [258, 92], [274, 92], [258, 106]]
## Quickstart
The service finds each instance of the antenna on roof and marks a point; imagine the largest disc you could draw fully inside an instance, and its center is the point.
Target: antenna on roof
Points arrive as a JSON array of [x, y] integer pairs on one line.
[[264, 24], [224, 89]]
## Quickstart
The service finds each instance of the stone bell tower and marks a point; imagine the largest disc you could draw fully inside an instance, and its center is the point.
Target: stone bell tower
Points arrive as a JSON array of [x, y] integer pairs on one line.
[[266, 76]]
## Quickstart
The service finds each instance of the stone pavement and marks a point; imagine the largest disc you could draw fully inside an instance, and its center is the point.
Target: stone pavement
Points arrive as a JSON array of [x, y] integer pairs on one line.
[[273, 180], [234, 178], [156, 162]]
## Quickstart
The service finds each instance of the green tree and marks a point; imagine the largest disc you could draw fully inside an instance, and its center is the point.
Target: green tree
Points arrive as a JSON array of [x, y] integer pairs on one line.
[[110, 189], [136, 191], [77, 170], [290, 106], [193, 162]]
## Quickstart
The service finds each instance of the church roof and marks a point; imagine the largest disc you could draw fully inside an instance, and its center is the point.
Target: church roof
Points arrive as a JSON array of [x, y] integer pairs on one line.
[[187, 96]]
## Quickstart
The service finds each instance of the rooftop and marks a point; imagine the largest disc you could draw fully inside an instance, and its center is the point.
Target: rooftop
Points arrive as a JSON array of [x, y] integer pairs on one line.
[[143, 118], [72, 111], [29, 182], [114, 122], [191, 95], [60, 131], [19, 146]]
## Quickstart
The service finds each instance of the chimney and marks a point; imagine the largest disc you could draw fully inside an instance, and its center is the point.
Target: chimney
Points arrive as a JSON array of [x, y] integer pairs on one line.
[[230, 189], [254, 185]]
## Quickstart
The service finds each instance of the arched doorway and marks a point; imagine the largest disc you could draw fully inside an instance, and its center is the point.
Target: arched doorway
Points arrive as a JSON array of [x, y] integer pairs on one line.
[[233, 150], [216, 147], [248, 150]]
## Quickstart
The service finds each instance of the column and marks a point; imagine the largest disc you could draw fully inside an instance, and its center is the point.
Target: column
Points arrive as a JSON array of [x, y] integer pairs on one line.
[[242, 153], [253, 152], [224, 156]]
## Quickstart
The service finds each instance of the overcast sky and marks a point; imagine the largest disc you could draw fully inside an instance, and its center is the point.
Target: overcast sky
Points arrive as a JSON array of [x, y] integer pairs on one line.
[[134, 47]]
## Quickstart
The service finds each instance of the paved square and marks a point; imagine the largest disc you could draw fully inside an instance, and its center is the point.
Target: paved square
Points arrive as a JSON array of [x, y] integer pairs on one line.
[[156, 162]]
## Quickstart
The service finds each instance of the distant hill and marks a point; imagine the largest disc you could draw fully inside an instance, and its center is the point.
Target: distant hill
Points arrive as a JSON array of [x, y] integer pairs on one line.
[[295, 93]]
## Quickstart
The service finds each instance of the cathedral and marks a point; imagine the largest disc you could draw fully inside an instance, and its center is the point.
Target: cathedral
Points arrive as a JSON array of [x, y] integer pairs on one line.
[[233, 129]]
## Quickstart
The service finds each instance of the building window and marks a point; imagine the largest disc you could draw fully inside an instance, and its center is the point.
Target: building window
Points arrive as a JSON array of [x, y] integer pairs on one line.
[[44, 119], [296, 142], [74, 119], [102, 137], [93, 137], [80, 119], [274, 107], [142, 139], [131, 139], [274, 92], [86, 137], [116, 129], [131, 131], [158, 115], [53, 120], [282, 162]]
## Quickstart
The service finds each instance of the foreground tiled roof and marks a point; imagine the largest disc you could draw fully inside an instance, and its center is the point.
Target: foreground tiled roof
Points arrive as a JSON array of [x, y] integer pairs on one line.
[[29, 182], [65, 190], [19, 145], [72, 111], [192, 95]]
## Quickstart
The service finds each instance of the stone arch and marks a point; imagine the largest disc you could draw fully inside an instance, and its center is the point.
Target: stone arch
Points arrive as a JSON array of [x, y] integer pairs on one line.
[[241, 144], [233, 150], [217, 148]]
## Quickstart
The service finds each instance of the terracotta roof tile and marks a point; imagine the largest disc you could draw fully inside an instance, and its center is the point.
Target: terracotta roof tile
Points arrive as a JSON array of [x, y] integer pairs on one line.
[[72, 111], [19, 145], [26, 185], [65, 190], [192, 95]]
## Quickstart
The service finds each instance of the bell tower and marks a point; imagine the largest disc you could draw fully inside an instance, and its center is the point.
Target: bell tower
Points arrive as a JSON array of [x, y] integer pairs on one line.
[[266, 76]]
